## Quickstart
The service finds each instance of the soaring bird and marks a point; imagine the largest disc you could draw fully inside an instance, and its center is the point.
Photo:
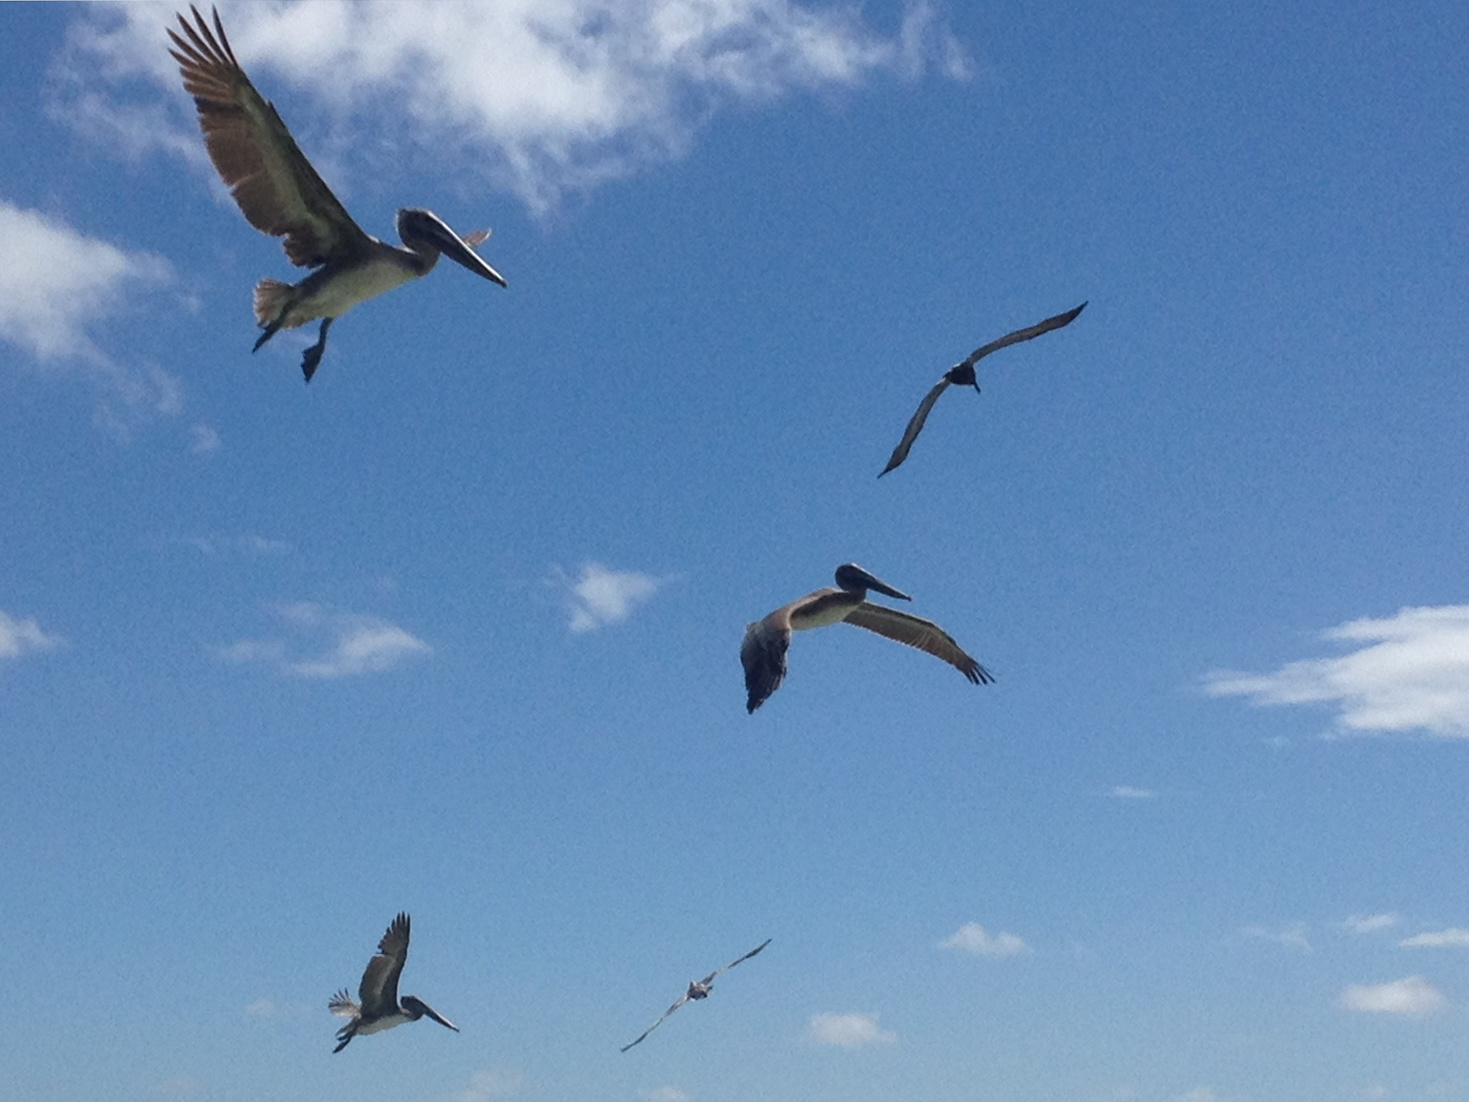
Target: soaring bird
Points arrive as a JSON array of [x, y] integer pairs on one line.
[[963, 375], [380, 1007], [698, 989], [281, 194], [763, 652]]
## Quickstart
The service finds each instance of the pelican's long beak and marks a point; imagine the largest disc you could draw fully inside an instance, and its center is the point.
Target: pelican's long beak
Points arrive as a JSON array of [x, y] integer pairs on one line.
[[429, 227], [456, 250], [853, 576], [413, 1002]]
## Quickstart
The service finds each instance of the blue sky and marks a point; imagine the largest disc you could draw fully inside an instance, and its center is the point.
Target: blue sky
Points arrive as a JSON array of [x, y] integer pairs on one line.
[[455, 629]]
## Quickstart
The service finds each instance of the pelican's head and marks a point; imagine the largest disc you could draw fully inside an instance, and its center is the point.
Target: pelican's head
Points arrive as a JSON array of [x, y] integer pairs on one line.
[[962, 375], [425, 230], [854, 579], [416, 1008]]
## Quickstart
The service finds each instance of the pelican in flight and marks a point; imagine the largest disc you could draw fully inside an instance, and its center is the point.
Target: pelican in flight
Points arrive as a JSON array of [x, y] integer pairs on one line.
[[280, 194], [380, 1007], [698, 989], [763, 653], [963, 375]]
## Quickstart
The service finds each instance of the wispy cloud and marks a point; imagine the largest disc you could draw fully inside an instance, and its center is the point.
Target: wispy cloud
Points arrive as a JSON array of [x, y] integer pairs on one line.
[[553, 97], [491, 1084], [260, 1008], [1453, 938], [1410, 673], [345, 644], [1411, 995], [665, 1094], [1370, 924], [1292, 935], [848, 1030], [974, 938], [1128, 792], [18, 637], [599, 596], [203, 439]]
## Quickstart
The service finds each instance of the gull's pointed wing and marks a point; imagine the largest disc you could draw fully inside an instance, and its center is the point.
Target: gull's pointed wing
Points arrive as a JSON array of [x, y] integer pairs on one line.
[[272, 181], [964, 373], [378, 991], [915, 425], [710, 977], [915, 632], [1026, 334], [681, 1000]]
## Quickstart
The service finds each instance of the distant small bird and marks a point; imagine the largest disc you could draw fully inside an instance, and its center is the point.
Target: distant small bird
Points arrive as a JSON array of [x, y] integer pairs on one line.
[[281, 194], [963, 375], [763, 652], [698, 989], [380, 1008]]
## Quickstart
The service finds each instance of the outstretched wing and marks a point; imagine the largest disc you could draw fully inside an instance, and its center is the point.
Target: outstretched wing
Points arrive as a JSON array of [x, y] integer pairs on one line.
[[915, 425], [963, 373], [272, 181], [763, 654], [378, 991], [915, 632], [681, 1000], [710, 977]]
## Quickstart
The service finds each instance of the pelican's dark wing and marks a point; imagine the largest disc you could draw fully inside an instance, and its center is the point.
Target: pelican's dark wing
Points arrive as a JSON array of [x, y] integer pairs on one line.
[[710, 977], [915, 632], [681, 1000], [915, 425], [378, 991], [763, 654], [963, 374], [272, 181]]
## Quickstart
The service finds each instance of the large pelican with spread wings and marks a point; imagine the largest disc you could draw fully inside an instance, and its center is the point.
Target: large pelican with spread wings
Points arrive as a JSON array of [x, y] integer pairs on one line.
[[963, 375], [763, 653], [281, 194], [379, 1007], [698, 989]]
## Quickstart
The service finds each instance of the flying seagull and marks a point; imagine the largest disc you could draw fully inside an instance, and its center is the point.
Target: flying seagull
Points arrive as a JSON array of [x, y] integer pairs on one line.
[[380, 1007], [763, 652], [698, 989], [280, 194], [963, 375]]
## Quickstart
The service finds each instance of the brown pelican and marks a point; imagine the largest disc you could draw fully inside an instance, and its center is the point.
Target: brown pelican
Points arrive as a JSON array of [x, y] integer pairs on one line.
[[380, 1008], [280, 194], [963, 375], [698, 989], [763, 653]]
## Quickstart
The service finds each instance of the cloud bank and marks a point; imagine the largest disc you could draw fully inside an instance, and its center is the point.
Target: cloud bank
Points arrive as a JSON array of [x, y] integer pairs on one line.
[[1452, 938], [848, 1030], [1411, 995], [552, 96], [1410, 672], [974, 938]]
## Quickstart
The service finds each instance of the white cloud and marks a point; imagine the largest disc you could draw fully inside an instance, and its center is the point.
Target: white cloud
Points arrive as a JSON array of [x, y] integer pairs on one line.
[[203, 439], [848, 1030], [1128, 792], [1411, 995], [1411, 673], [1292, 935], [1369, 924], [600, 596], [665, 1094], [260, 1008], [552, 97], [353, 644], [18, 637], [974, 938], [56, 282], [1452, 938], [490, 1084]]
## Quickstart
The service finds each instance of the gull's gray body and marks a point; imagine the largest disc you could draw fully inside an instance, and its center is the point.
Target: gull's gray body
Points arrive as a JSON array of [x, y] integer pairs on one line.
[[698, 989]]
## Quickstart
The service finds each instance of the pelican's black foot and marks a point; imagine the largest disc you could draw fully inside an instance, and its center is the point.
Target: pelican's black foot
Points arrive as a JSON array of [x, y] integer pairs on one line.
[[312, 357], [270, 331]]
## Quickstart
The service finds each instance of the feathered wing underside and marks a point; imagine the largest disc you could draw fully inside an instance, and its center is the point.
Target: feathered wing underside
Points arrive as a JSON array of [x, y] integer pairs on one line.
[[915, 426], [276, 187], [925, 635], [681, 1000], [964, 373], [763, 654], [379, 988], [739, 960]]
